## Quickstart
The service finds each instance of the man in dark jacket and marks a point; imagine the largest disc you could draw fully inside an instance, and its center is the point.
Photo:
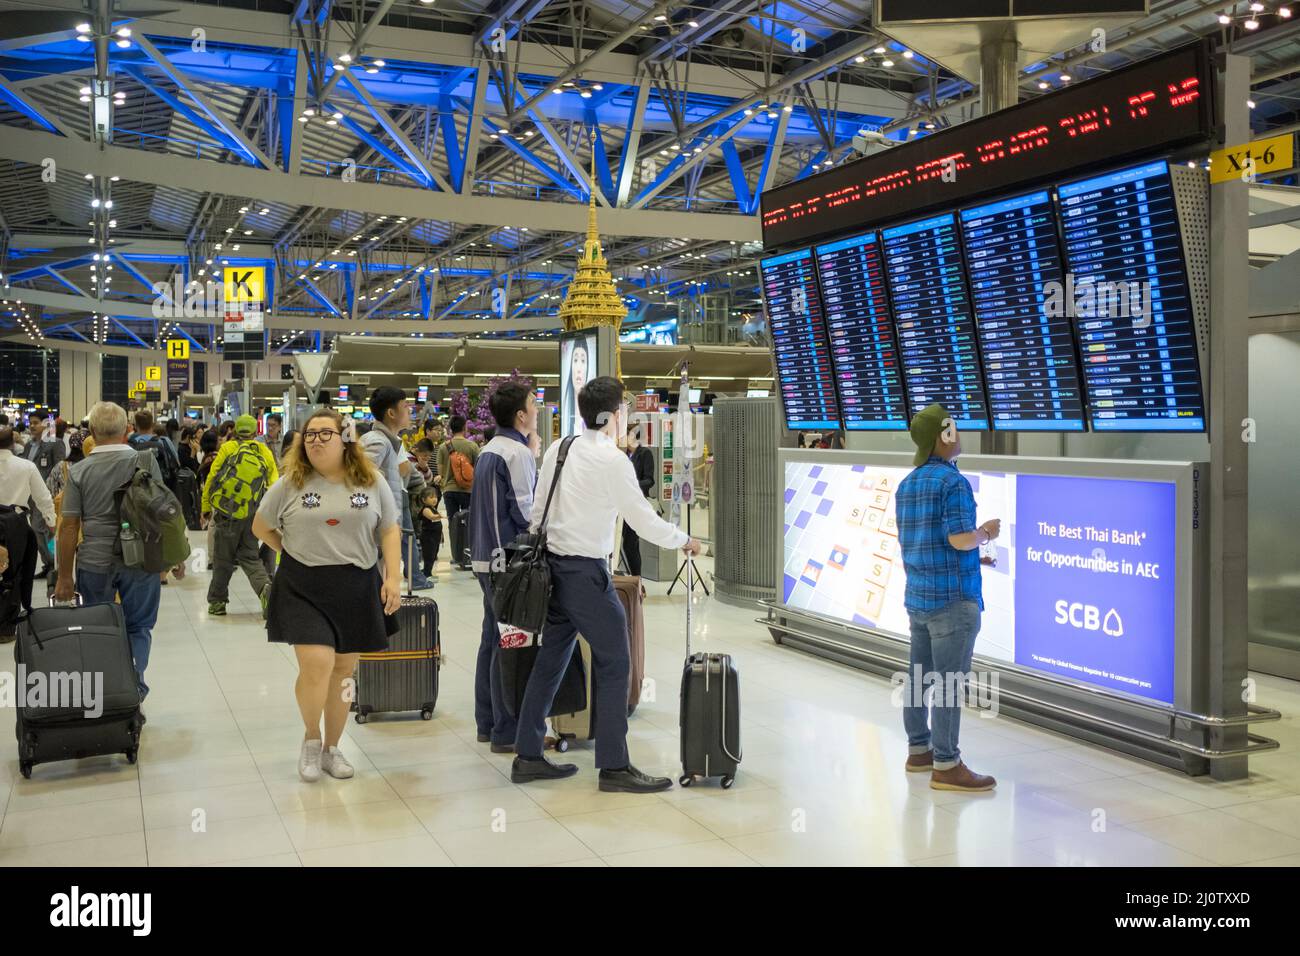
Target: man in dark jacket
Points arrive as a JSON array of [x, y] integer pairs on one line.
[[501, 505], [643, 460]]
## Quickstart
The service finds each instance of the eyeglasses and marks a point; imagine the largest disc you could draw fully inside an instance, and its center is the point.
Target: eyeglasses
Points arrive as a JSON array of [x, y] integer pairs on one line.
[[319, 435]]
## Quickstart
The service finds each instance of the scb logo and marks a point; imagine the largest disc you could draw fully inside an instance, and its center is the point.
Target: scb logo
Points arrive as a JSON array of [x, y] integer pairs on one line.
[[1087, 617]]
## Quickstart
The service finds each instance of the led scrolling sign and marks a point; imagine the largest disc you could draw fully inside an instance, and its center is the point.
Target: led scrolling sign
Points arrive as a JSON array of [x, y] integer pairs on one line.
[[1158, 105]]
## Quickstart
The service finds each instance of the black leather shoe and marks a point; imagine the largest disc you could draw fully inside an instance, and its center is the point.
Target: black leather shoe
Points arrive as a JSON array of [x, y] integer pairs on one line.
[[632, 780], [503, 748], [525, 769], [483, 738]]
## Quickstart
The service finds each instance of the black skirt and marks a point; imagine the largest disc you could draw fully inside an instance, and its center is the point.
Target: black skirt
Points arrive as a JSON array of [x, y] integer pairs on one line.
[[338, 605]]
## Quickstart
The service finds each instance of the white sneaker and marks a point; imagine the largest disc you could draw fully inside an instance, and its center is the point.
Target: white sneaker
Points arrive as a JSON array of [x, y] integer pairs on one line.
[[335, 764], [309, 761]]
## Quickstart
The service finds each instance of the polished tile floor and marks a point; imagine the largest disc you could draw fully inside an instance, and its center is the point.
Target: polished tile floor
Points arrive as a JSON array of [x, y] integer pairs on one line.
[[821, 781]]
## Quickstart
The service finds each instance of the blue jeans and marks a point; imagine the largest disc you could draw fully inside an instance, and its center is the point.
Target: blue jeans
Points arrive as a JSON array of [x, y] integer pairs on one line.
[[490, 712], [942, 643], [140, 591], [582, 599]]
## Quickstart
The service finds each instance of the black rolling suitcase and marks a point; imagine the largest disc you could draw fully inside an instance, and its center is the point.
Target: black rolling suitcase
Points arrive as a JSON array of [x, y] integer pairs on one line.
[[460, 539], [71, 647], [404, 677], [710, 712]]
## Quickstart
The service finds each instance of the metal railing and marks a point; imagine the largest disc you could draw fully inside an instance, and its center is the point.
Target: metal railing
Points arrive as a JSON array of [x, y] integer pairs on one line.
[[1256, 744]]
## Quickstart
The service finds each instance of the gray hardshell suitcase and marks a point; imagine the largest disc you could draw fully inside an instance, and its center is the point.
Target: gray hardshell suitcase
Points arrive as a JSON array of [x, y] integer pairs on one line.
[[404, 677], [710, 710]]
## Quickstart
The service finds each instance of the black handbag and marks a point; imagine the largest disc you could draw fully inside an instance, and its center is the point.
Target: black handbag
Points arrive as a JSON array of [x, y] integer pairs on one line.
[[521, 594], [516, 665]]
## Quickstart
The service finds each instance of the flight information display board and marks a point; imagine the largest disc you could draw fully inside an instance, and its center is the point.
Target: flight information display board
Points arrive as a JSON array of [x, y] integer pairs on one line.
[[861, 330], [1131, 301], [1014, 262], [1160, 104], [803, 362], [936, 334]]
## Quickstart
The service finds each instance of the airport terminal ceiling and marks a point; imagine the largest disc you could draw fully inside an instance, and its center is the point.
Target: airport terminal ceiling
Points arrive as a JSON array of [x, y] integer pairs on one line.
[[411, 169]]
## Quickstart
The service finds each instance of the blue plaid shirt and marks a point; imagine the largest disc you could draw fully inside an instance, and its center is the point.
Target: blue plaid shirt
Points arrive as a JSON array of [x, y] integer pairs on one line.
[[934, 501]]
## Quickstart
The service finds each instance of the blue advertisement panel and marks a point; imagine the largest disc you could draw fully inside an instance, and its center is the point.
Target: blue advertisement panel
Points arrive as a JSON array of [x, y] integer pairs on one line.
[[1081, 583], [1094, 594]]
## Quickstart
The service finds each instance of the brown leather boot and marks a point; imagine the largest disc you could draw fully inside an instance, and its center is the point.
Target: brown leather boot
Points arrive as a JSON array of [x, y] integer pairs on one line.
[[961, 778], [920, 763]]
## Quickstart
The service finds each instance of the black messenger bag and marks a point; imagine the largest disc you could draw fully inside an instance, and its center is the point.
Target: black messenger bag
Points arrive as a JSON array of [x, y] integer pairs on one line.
[[521, 594]]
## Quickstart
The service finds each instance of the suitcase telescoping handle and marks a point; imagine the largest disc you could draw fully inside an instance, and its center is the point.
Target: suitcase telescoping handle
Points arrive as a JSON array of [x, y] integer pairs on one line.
[[410, 564], [690, 591]]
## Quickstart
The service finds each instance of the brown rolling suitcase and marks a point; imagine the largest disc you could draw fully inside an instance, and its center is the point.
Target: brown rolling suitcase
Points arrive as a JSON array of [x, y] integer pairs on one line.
[[582, 725]]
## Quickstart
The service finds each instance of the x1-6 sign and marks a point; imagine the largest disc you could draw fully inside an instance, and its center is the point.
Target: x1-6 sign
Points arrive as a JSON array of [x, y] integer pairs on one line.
[[1251, 159]]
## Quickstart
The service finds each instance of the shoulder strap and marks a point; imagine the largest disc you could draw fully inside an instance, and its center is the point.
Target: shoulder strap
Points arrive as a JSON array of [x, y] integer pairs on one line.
[[555, 482]]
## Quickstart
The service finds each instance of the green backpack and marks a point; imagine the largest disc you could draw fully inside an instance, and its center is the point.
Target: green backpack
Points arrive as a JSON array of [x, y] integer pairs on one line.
[[148, 509], [238, 487]]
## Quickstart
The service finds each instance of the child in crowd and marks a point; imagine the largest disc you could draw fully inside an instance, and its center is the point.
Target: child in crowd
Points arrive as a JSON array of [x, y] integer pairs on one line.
[[430, 527]]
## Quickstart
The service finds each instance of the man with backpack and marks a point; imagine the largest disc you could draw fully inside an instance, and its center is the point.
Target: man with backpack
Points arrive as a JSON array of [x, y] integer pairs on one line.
[[144, 439], [383, 446], [99, 509], [240, 475], [456, 459]]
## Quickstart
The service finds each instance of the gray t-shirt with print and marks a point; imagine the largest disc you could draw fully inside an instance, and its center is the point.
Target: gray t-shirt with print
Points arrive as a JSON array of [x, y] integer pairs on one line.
[[326, 522], [91, 495]]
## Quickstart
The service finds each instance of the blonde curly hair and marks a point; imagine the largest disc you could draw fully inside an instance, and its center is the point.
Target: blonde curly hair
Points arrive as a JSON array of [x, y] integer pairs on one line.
[[359, 471]]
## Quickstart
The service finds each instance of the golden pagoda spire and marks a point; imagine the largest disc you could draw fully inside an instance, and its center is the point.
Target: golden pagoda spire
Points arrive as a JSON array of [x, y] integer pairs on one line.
[[593, 237], [592, 299]]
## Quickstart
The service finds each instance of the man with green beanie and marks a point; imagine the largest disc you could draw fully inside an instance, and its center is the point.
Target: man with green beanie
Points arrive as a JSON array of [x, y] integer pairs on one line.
[[241, 473], [935, 510]]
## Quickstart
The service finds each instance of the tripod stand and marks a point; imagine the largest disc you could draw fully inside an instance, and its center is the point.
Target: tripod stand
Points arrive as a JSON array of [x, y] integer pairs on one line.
[[695, 575]]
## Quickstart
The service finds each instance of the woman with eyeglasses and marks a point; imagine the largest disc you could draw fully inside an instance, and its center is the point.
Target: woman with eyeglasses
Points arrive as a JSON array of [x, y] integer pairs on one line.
[[329, 515]]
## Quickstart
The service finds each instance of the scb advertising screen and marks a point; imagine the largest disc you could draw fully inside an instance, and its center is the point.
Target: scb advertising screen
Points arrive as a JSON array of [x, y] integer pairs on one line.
[[1080, 584]]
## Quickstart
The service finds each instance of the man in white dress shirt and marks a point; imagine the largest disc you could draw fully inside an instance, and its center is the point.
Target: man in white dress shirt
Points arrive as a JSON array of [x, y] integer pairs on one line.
[[20, 480], [20, 483], [597, 484]]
